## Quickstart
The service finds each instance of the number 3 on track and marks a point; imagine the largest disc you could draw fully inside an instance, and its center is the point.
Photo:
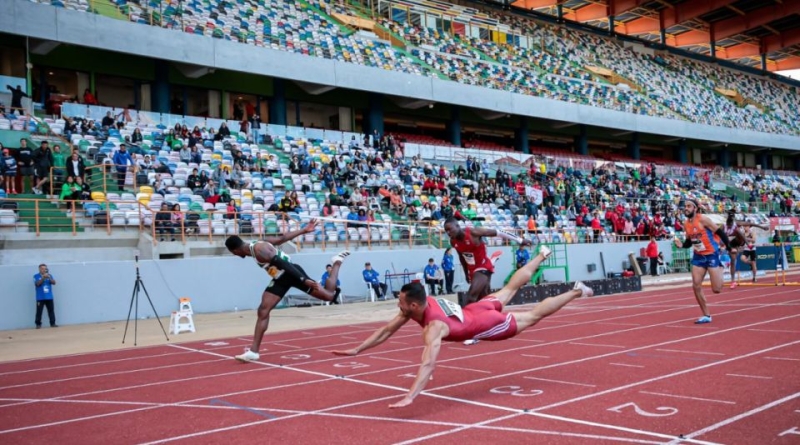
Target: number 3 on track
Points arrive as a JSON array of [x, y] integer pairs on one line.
[[665, 410], [516, 391]]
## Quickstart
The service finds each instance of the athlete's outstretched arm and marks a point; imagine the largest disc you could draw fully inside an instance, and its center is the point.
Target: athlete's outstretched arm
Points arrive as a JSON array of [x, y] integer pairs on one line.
[[433, 335], [482, 231], [288, 236], [749, 224], [377, 337]]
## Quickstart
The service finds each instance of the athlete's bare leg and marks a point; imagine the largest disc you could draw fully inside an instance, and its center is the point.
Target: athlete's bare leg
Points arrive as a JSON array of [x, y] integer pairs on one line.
[[268, 302], [716, 275], [698, 274], [733, 254], [520, 278], [478, 287], [547, 307], [328, 293]]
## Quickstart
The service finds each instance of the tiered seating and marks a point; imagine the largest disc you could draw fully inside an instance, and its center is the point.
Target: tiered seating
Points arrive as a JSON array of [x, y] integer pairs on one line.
[[534, 58]]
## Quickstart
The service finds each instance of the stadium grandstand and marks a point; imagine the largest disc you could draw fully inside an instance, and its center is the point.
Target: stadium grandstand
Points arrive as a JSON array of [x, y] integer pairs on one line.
[[280, 151], [157, 129]]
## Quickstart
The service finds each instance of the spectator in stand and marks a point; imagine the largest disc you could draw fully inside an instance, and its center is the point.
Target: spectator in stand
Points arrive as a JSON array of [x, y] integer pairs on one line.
[[44, 283], [122, 160], [177, 217], [70, 191], [324, 279], [193, 181], [75, 166], [107, 121], [255, 129], [372, 278], [652, 254], [163, 221], [433, 278], [16, 98], [522, 256], [9, 172], [86, 191], [136, 137], [43, 160], [88, 97], [59, 161], [211, 192]]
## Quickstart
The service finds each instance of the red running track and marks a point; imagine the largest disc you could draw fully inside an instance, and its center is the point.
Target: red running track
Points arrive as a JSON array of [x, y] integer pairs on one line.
[[629, 368]]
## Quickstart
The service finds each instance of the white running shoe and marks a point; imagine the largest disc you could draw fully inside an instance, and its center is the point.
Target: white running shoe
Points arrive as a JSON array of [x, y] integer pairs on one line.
[[586, 291], [339, 257], [545, 251], [247, 356], [471, 342]]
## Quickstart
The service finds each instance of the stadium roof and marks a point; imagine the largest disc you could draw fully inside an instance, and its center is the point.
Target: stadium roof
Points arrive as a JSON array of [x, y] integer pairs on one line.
[[739, 30]]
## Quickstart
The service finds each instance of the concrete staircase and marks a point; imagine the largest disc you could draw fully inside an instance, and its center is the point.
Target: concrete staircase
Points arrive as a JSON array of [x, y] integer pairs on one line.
[[51, 218]]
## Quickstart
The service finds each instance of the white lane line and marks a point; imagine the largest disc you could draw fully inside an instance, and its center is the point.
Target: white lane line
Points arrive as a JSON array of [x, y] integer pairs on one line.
[[286, 346], [783, 331], [131, 371], [690, 352], [390, 359], [463, 369], [535, 356], [783, 358], [666, 376], [627, 365], [561, 381], [700, 399], [456, 399], [750, 376], [737, 417], [598, 345]]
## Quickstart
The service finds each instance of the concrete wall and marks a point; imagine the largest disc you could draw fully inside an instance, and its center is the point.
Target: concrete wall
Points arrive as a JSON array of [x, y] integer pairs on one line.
[[46, 22], [91, 292]]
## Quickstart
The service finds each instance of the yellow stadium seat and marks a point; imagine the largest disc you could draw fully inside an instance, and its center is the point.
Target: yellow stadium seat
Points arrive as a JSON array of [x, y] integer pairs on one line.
[[146, 189], [98, 196], [216, 157]]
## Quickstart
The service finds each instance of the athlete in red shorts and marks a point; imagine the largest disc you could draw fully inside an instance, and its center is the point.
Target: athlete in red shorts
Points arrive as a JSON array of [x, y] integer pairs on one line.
[[478, 266], [443, 320]]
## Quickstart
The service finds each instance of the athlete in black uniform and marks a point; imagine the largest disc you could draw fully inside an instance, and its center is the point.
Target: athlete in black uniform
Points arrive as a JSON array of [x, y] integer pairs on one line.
[[285, 275]]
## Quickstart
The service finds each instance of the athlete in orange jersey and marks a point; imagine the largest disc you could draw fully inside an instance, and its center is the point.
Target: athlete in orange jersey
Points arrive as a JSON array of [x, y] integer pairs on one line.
[[706, 238], [444, 320]]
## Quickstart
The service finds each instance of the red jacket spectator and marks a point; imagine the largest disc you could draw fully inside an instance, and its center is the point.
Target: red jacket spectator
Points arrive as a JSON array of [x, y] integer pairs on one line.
[[652, 249]]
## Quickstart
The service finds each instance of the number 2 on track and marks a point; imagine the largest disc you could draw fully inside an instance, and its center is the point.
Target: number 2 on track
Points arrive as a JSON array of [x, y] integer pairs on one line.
[[351, 365], [665, 410]]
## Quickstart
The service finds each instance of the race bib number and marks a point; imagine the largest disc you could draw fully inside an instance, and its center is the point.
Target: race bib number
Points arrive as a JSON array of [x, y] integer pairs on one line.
[[274, 272], [450, 309], [697, 244], [469, 258]]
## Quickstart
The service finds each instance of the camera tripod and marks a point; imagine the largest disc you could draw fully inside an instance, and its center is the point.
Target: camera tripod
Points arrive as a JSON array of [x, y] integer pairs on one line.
[[135, 297]]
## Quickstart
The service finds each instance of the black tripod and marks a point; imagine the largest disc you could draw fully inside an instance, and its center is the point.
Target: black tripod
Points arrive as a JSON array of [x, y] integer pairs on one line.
[[135, 297]]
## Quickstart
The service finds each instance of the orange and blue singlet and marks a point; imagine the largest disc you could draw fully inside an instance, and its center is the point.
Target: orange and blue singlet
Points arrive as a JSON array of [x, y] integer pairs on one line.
[[705, 243]]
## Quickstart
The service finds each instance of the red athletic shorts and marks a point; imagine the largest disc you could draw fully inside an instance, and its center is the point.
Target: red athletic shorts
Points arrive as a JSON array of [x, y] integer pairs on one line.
[[487, 322]]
